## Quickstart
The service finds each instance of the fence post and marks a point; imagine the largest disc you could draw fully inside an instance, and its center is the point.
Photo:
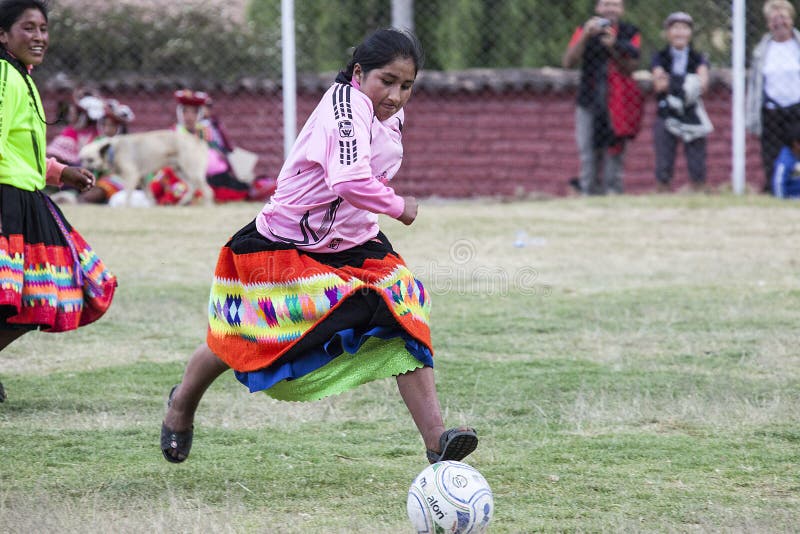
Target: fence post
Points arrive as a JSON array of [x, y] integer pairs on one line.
[[738, 71], [289, 75], [403, 14]]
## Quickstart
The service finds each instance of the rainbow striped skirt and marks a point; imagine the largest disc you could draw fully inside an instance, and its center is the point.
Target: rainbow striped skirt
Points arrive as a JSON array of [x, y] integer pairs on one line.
[[50, 278], [302, 326]]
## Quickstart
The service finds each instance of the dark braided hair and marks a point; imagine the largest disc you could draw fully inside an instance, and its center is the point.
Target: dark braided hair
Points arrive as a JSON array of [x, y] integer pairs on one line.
[[10, 12], [380, 48]]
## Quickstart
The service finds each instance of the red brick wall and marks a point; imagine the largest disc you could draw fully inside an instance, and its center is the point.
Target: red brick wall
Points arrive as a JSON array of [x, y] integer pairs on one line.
[[459, 145]]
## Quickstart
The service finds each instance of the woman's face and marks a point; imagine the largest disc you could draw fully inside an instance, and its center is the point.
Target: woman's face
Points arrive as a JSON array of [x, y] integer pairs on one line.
[[679, 34], [110, 127], [190, 115], [388, 87], [28, 38], [780, 24]]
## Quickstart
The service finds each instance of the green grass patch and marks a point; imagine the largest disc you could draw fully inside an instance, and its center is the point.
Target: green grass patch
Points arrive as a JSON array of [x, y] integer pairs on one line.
[[634, 368]]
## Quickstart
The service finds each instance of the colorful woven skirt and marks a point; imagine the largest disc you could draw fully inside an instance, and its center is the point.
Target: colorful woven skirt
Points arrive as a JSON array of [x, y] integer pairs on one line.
[[50, 278], [302, 326]]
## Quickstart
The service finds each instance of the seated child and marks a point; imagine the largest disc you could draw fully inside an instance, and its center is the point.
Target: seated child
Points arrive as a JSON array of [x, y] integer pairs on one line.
[[786, 178], [84, 113], [193, 116], [115, 121]]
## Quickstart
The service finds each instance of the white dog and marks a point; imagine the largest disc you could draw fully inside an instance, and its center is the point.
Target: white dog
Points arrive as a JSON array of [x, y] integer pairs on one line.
[[133, 156]]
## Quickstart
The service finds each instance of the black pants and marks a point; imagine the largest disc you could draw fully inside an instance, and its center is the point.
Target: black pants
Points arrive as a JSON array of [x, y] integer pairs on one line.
[[774, 136], [666, 147]]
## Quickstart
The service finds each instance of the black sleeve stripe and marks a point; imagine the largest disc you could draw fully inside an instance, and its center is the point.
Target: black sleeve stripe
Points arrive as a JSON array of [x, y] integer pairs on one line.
[[342, 110], [341, 102], [3, 79], [348, 152], [3, 86]]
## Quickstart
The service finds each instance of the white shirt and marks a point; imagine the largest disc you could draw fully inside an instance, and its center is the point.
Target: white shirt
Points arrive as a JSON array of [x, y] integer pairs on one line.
[[680, 60], [782, 72]]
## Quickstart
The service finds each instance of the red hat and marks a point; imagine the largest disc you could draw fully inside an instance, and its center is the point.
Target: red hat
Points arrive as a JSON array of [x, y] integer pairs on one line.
[[187, 97]]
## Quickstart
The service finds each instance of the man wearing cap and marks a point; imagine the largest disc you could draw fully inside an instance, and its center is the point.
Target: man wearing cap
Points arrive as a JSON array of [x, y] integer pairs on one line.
[[609, 103], [680, 77]]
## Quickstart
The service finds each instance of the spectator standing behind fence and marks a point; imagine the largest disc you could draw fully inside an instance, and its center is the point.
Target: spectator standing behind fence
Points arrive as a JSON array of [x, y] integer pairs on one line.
[[680, 77], [609, 104], [773, 92], [786, 176], [310, 299]]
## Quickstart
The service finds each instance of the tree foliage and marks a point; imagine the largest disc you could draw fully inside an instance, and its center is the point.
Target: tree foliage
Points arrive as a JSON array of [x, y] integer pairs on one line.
[[197, 44], [124, 41]]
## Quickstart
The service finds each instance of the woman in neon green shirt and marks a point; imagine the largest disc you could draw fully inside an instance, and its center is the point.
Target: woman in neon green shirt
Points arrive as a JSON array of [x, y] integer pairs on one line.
[[50, 279]]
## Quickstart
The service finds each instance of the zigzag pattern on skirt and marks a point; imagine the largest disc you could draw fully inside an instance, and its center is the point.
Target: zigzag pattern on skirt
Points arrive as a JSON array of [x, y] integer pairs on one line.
[[252, 322], [40, 282]]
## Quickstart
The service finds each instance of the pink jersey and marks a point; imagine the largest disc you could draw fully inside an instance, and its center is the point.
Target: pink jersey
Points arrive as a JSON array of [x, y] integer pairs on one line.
[[333, 184]]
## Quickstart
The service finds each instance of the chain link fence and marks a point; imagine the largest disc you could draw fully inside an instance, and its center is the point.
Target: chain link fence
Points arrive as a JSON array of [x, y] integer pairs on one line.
[[139, 52]]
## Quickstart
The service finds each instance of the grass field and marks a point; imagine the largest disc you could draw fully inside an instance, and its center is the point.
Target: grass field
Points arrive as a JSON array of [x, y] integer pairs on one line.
[[635, 367]]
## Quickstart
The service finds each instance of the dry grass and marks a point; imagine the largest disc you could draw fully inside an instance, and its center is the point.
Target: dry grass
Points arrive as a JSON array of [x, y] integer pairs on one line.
[[660, 327]]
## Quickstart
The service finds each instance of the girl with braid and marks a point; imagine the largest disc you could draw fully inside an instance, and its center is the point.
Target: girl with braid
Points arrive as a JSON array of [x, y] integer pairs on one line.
[[310, 299], [50, 279]]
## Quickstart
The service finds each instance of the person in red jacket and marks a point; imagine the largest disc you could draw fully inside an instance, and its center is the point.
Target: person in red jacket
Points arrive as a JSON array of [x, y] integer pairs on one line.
[[609, 103]]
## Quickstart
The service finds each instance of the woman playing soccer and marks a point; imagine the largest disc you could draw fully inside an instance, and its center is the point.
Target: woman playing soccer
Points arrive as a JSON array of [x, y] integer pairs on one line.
[[49, 277], [310, 299]]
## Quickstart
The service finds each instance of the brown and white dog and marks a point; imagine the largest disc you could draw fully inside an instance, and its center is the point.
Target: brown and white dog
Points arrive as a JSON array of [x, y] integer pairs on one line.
[[133, 156]]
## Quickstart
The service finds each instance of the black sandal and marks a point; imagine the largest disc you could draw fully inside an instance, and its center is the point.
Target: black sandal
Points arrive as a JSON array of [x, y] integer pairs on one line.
[[456, 444], [180, 442]]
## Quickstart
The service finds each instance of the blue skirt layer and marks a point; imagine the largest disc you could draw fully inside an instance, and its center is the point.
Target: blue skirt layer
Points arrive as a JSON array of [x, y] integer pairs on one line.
[[348, 340]]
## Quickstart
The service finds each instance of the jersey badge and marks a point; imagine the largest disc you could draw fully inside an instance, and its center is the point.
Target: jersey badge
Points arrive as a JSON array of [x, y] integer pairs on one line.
[[345, 128]]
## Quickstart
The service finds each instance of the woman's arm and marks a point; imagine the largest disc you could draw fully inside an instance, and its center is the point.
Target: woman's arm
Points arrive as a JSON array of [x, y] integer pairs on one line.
[[371, 195]]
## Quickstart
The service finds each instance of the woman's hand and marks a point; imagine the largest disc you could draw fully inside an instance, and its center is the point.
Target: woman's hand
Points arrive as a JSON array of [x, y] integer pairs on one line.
[[77, 177], [660, 80], [409, 211]]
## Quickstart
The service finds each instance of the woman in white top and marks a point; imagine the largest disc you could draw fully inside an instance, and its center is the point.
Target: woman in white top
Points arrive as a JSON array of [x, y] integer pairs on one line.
[[773, 96]]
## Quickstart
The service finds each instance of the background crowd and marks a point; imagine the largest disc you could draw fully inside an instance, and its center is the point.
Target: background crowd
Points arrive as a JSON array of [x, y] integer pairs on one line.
[[607, 49], [609, 103], [92, 117]]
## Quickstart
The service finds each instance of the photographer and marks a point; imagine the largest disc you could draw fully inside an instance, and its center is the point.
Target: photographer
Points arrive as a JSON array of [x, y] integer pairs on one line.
[[609, 109]]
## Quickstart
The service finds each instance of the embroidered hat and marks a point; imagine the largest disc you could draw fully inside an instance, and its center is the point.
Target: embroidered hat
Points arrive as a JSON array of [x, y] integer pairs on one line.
[[187, 97], [678, 16]]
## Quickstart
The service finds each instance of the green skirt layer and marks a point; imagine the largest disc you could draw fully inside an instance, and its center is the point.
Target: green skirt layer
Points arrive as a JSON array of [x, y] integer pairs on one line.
[[376, 359]]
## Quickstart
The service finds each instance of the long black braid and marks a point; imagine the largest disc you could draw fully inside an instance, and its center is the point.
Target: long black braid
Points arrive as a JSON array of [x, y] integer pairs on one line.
[[17, 64]]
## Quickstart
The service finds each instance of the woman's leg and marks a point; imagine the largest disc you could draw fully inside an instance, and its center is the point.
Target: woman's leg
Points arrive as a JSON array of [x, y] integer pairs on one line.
[[665, 144], [203, 368], [7, 336], [418, 390]]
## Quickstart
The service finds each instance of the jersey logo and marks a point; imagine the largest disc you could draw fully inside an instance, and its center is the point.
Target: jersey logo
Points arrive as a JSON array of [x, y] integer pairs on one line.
[[345, 128], [312, 236]]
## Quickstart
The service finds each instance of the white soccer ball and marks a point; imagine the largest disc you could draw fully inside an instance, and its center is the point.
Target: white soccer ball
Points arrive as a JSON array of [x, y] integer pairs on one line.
[[450, 497]]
